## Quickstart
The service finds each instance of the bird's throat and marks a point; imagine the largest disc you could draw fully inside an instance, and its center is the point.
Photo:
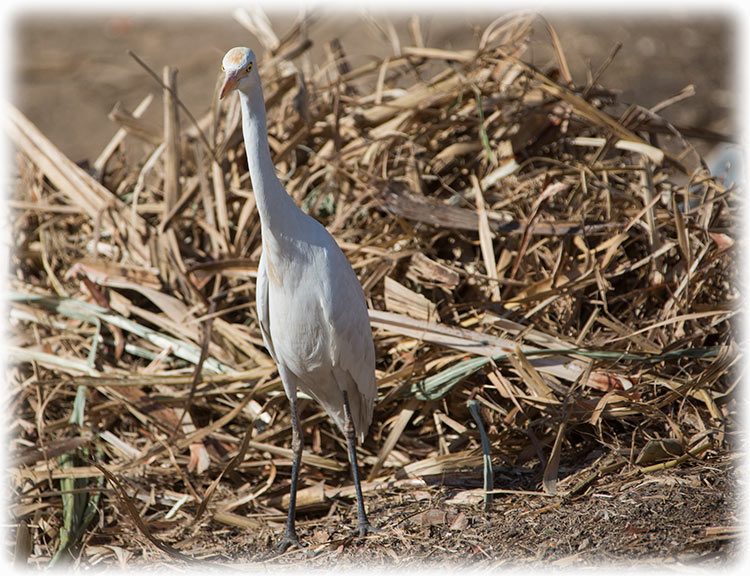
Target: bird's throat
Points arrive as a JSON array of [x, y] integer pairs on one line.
[[271, 199]]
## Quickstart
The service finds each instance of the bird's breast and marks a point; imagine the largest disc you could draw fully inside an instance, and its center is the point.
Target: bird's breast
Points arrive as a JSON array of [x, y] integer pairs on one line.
[[298, 297], [298, 331]]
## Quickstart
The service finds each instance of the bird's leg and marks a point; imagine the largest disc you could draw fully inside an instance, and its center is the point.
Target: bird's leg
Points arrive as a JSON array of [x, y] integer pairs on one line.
[[290, 535], [363, 524]]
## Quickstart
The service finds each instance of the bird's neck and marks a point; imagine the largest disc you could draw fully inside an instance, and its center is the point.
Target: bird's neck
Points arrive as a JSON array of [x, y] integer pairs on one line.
[[275, 206]]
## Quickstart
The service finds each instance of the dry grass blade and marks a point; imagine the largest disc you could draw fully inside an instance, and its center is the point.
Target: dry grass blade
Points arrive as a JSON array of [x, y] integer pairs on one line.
[[399, 425], [485, 240], [227, 469], [401, 300], [530, 376], [307, 457], [132, 124], [654, 154], [101, 162], [132, 511], [549, 479], [378, 115], [423, 52], [559, 54], [436, 466], [528, 243]]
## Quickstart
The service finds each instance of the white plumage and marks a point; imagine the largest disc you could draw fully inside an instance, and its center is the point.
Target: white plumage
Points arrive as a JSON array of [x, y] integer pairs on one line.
[[314, 319], [311, 306]]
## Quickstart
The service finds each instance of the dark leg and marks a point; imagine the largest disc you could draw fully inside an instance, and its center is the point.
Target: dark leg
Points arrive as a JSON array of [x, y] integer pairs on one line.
[[363, 524], [290, 535]]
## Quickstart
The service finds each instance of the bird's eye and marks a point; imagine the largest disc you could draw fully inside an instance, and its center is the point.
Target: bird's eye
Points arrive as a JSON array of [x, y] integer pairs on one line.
[[223, 69], [250, 67]]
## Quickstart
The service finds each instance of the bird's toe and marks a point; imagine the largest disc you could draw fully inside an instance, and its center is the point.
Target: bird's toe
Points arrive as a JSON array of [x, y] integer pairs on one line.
[[364, 528], [288, 541]]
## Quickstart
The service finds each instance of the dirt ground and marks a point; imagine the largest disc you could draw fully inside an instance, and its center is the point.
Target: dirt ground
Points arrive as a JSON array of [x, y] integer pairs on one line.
[[682, 519], [650, 521], [68, 76]]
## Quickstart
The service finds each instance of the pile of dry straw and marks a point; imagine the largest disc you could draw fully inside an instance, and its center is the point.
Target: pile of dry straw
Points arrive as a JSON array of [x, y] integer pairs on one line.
[[528, 247]]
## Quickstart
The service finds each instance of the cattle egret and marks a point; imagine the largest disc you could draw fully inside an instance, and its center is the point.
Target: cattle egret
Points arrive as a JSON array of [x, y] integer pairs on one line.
[[311, 307]]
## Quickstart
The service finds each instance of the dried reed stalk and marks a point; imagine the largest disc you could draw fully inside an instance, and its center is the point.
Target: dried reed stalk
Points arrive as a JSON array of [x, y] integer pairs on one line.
[[520, 241]]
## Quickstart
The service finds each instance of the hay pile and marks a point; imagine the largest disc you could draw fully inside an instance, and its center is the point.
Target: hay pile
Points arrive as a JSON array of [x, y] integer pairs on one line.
[[550, 273]]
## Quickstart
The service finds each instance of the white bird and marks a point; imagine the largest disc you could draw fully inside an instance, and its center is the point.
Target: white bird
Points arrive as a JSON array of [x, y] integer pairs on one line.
[[311, 307]]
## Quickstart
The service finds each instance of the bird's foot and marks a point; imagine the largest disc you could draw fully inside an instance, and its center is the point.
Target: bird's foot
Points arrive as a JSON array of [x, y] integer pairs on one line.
[[364, 528], [289, 540]]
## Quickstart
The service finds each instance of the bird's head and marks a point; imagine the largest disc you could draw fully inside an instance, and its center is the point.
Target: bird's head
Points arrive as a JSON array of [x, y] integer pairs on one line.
[[240, 71]]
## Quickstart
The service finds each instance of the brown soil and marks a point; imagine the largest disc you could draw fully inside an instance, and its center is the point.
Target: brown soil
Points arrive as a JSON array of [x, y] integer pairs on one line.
[[661, 519], [69, 76]]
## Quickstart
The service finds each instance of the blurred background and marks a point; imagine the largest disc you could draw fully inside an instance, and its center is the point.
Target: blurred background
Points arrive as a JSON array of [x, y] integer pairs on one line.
[[70, 70]]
